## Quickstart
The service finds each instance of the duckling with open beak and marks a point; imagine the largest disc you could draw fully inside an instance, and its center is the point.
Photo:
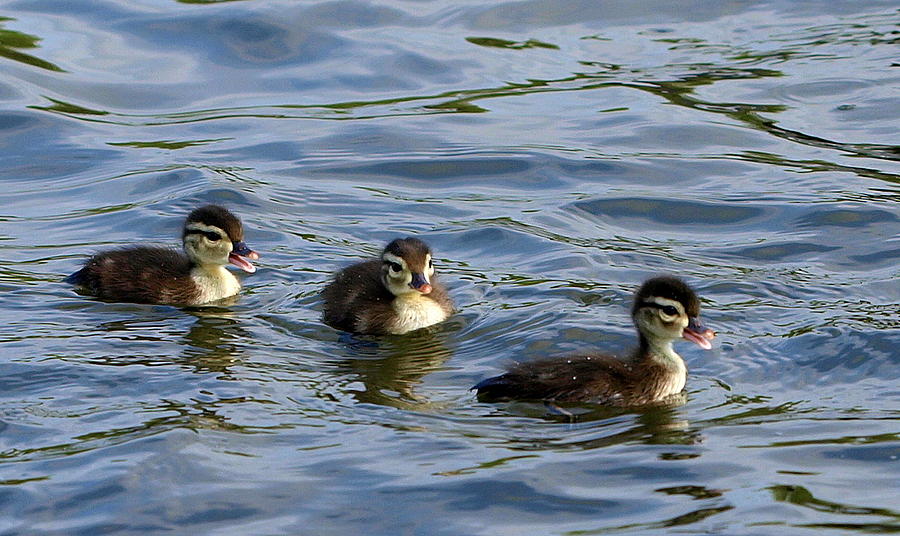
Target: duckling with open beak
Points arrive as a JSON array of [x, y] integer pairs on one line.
[[212, 237], [665, 309]]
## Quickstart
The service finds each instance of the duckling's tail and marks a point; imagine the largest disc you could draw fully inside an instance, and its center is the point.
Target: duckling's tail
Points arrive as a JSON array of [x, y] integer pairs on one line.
[[493, 388], [79, 278], [490, 382]]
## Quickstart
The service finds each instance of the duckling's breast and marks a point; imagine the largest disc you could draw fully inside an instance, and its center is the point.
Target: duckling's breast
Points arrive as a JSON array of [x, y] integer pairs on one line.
[[214, 283], [415, 311]]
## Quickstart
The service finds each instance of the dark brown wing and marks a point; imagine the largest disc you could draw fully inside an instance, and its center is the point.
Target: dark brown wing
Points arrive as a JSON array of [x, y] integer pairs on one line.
[[356, 300], [140, 275], [581, 378]]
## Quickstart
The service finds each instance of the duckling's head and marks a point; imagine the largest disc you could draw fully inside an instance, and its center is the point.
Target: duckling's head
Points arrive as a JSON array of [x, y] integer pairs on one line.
[[665, 309], [407, 267], [213, 235]]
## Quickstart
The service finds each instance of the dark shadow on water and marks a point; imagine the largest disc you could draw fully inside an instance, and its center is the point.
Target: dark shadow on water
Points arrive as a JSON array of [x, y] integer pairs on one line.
[[656, 425], [212, 342], [196, 415]]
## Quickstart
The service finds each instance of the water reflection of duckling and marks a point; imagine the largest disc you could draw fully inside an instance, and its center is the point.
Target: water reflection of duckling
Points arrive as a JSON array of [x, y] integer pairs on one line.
[[395, 294], [215, 342], [212, 237], [665, 309], [392, 372]]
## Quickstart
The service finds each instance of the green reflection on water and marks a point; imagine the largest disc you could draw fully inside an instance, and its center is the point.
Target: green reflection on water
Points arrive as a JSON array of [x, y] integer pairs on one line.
[[167, 144], [803, 497], [505, 43], [10, 40]]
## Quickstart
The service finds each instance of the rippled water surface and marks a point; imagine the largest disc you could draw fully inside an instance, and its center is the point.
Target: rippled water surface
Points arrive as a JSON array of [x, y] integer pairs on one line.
[[554, 154]]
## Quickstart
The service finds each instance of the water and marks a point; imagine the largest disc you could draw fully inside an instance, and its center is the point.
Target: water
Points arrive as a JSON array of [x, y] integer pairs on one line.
[[554, 154]]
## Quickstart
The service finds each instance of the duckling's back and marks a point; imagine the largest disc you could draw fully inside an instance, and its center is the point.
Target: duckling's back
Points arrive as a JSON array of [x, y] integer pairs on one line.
[[598, 378], [139, 275], [356, 299]]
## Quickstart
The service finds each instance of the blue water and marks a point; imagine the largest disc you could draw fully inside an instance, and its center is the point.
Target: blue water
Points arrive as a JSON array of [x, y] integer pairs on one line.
[[554, 155]]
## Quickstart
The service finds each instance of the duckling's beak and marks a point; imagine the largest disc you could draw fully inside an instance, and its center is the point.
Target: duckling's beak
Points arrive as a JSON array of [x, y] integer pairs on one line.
[[698, 334], [420, 283], [239, 255]]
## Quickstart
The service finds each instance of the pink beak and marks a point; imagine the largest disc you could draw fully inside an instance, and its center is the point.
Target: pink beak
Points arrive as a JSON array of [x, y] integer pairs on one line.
[[698, 334], [420, 283]]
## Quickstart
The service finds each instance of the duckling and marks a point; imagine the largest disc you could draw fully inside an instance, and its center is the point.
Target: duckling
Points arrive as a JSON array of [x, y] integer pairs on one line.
[[665, 309], [394, 294], [212, 237]]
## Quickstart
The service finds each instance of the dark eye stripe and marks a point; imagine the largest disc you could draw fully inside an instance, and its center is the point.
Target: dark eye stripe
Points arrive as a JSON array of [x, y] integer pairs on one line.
[[395, 266], [668, 309], [212, 235]]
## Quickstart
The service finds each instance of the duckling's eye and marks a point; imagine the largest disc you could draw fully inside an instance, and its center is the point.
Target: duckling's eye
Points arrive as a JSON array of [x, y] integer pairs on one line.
[[669, 310], [395, 266], [212, 236]]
